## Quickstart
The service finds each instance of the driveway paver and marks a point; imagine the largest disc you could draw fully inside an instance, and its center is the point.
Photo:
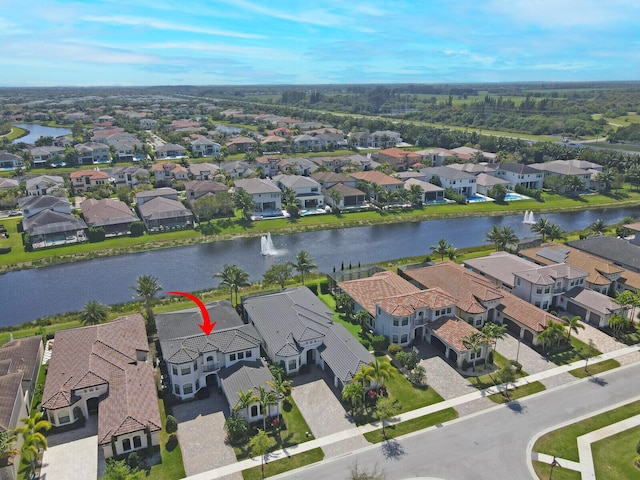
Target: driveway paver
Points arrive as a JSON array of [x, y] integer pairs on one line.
[[72, 455], [202, 436], [323, 412]]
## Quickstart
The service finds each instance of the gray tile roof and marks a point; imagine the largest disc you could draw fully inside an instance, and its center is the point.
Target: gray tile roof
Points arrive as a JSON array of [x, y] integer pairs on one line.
[[182, 340], [10, 391], [617, 250], [447, 172], [50, 221], [160, 207], [286, 318], [517, 168], [43, 201], [243, 376]]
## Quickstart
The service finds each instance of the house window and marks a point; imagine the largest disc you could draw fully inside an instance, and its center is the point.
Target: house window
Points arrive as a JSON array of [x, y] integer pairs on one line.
[[292, 364], [64, 418], [517, 281], [240, 355], [545, 305], [472, 355], [174, 369], [249, 353], [405, 321], [394, 339], [187, 388], [137, 442], [176, 389], [186, 370], [198, 384], [404, 338], [537, 304], [539, 290], [126, 444], [195, 366], [448, 309], [396, 322], [232, 357], [209, 358], [254, 410], [547, 290]]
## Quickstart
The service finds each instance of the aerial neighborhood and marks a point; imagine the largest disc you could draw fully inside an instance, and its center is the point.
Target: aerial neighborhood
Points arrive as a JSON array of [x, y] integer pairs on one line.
[[304, 354]]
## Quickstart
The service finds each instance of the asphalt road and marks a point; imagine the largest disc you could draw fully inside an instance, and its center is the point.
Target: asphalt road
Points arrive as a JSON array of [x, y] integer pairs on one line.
[[489, 445]]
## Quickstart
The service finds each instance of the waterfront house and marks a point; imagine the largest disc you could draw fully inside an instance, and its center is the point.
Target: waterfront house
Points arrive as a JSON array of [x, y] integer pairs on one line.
[[111, 214], [265, 193]]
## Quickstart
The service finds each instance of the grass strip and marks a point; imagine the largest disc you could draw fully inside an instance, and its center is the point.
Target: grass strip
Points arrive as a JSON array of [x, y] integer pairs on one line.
[[595, 368], [562, 442], [613, 456], [543, 470], [414, 425], [518, 392], [284, 465]]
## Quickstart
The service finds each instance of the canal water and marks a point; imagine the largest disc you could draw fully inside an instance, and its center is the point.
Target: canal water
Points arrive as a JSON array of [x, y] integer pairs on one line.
[[29, 294], [36, 131]]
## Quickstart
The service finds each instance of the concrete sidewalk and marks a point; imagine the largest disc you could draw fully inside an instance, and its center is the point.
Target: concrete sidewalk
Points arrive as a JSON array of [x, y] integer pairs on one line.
[[453, 402]]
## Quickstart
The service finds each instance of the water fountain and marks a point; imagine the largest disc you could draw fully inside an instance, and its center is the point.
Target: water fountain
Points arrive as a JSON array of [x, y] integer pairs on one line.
[[266, 245], [528, 219]]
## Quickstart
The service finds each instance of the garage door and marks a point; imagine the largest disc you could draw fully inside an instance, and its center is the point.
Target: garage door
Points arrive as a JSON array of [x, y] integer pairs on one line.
[[576, 309]]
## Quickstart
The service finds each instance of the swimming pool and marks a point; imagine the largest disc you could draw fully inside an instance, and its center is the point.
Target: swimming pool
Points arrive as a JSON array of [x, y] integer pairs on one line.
[[478, 198], [511, 196]]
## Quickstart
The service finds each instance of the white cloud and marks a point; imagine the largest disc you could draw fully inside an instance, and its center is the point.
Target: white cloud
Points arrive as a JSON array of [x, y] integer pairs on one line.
[[162, 25]]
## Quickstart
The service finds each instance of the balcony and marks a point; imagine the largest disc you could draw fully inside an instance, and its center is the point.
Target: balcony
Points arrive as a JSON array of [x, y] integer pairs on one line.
[[211, 367]]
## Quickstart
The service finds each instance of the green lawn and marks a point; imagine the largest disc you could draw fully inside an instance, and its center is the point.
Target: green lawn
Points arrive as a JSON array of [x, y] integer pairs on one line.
[[408, 396], [518, 392], [488, 380], [294, 434], [559, 473], [414, 425], [170, 466], [566, 354], [562, 442], [613, 457], [595, 368], [276, 467]]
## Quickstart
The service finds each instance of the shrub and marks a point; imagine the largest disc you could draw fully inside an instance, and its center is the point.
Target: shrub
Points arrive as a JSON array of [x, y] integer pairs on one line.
[[465, 365], [379, 343], [5, 250], [136, 229], [517, 366], [96, 234], [133, 460], [394, 348], [171, 424], [451, 194]]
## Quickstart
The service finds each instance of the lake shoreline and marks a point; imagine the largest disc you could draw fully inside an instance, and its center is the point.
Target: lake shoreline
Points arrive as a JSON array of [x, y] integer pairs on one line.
[[259, 231]]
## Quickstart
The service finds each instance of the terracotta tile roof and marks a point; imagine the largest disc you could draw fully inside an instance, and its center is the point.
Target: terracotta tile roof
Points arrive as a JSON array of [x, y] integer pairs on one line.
[[452, 331], [434, 298], [374, 176], [597, 268], [92, 174], [24, 356], [106, 353], [366, 291], [471, 289], [10, 390]]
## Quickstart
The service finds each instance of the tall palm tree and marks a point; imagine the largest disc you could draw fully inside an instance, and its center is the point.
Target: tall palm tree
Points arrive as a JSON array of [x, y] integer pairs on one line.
[[554, 232], [33, 434], [147, 287], [441, 248], [573, 325], [362, 318], [282, 386], [607, 177], [93, 313], [266, 398], [415, 194], [541, 227], [380, 371], [233, 277], [508, 237], [495, 332], [364, 376], [245, 399], [573, 183], [495, 236], [244, 202], [336, 198], [598, 227], [474, 342], [288, 196], [452, 252], [303, 264], [7, 442]]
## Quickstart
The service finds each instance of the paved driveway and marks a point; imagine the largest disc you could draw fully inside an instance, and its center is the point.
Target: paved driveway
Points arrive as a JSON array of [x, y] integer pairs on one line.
[[325, 415], [201, 434], [72, 455]]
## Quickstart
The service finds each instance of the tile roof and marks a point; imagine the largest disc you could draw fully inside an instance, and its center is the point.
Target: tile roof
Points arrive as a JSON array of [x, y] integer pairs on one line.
[[518, 168], [365, 291], [92, 174], [43, 201], [500, 265], [10, 390], [617, 250], [257, 185], [244, 376], [596, 301], [453, 331], [24, 354], [406, 304], [107, 211], [106, 353], [374, 176], [295, 315], [160, 207], [50, 221]]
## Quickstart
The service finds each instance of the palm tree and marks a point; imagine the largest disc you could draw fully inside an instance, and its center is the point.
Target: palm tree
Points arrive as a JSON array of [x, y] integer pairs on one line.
[[598, 227], [282, 386], [266, 398], [93, 313], [33, 435], [541, 227], [495, 332], [303, 264], [618, 323], [474, 342], [364, 376], [495, 236], [244, 202], [233, 277], [573, 325], [554, 332], [452, 252], [146, 287], [607, 178], [279, 273], [362, 318], [245, 399], [554, 232], [288, 196], [353, 394], [415, 194], [7, 442], [336, 198], [508, 237], [380, 371], [573, 183], [441, 248]]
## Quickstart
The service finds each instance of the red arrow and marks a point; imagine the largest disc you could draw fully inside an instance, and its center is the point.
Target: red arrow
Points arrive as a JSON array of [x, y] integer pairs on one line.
[[207, 326]]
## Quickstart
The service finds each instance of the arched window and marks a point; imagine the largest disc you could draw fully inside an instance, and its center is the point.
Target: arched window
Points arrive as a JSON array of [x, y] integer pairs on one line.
[[137, 442]]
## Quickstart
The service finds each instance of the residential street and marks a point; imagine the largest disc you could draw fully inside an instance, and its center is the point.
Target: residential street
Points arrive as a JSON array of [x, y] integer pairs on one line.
[[490, 445]]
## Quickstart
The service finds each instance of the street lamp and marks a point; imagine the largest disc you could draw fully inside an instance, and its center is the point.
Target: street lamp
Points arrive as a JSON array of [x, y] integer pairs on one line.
[[518, 350]]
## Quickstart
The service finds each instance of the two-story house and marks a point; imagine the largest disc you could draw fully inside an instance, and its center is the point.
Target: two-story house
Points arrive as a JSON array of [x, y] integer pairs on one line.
[[204, 147], [519, 174], [44, 185], [91, 153], [265, 193], [83, 180], [165, 172], [400, 160], [460, 182], [130, 176], [308, 191], [170, 150], [564, 169], [41, 156]]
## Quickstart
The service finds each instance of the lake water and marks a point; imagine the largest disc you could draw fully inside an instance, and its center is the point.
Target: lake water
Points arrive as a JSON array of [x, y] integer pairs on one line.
[[29, 294], [36, 131]]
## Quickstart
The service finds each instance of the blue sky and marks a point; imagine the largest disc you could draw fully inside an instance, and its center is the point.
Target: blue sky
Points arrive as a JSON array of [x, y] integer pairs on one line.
[[173, 42]]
